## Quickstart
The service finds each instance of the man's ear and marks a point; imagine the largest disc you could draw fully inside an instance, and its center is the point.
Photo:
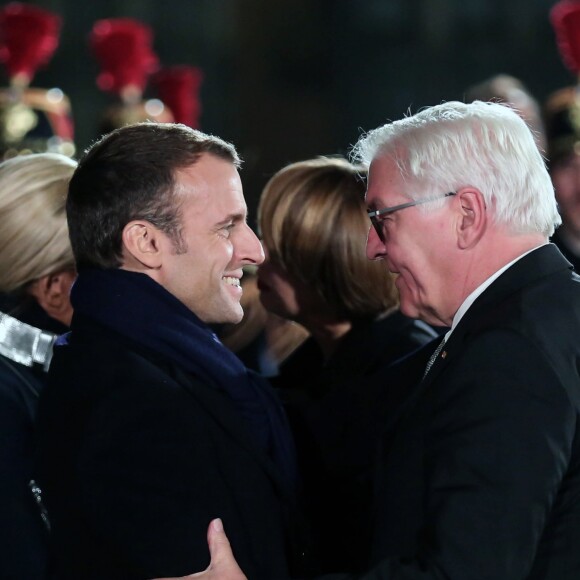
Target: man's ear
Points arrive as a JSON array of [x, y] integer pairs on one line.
[[52, 292], [143, 245], [473, 217]]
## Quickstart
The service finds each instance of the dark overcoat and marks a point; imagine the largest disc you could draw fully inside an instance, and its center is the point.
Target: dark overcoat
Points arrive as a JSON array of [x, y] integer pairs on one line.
[[137, 456]]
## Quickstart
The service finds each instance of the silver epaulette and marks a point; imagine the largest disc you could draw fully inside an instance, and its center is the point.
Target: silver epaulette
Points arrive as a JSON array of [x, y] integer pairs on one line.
[[25, 344]]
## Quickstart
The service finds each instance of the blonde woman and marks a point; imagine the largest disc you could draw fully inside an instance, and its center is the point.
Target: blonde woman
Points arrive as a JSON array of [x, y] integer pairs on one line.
[[36, 273], [313, 224]]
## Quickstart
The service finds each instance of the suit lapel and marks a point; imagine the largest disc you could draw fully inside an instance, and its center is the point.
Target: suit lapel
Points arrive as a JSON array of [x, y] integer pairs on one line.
[[408, 373]]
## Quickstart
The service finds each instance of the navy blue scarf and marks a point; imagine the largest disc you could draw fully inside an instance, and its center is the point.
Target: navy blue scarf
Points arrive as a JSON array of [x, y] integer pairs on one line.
[[136, 306]]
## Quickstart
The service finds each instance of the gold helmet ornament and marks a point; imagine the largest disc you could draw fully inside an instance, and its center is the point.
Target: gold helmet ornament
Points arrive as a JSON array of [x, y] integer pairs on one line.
[[562, 108], [31, 119]]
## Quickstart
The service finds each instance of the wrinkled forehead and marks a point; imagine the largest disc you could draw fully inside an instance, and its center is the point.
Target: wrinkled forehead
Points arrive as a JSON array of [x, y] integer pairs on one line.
[[385, 180]]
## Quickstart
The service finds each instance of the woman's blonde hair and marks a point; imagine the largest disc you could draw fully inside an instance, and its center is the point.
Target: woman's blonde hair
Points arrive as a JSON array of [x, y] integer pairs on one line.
[[313, 223], [33, 234]]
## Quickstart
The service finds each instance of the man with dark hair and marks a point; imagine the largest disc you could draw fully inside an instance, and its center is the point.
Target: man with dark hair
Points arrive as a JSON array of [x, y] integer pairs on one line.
[[149, 427]]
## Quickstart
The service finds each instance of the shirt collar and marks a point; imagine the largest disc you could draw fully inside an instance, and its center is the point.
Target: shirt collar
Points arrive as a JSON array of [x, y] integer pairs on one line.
[[480, 289]]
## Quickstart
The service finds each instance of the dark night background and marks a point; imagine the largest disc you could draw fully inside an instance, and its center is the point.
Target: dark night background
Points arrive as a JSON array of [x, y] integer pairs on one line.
[[290, 79]]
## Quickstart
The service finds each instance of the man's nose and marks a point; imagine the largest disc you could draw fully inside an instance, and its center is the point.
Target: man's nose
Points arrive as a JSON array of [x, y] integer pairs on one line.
[[375, 246], [251, 250]]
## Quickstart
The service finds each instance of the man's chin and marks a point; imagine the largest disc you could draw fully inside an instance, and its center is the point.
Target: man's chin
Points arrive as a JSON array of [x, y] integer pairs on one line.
[[406, 306], [236, 314], [409, 311], [236, 319], [231, 314]]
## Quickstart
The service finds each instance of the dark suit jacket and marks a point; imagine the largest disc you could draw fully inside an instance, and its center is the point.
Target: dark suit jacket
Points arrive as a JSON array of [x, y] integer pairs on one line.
[[480, 470], [136, 457]]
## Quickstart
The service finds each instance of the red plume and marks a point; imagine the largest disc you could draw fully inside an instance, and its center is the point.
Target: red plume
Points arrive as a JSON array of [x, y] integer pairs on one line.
[[178, 87], [28, 38], [123, 49], [565, 18]]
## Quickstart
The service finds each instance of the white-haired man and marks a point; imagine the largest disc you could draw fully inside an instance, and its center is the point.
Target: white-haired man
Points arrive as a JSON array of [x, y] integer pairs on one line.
[[479, 476]]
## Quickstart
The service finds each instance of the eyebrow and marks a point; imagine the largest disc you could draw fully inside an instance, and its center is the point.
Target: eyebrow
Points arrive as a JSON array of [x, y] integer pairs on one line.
[[377, 202], [233, 217]]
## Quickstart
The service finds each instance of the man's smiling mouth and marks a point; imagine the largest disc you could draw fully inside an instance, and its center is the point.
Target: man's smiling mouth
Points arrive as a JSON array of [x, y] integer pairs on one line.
[[231, 280]]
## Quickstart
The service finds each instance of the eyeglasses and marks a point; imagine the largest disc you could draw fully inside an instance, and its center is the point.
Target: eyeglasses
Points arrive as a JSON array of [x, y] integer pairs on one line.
[[376, 214]]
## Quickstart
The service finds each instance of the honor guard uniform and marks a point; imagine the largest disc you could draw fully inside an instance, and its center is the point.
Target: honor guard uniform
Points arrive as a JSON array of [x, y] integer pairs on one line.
[[179, 87], [123, 49], [31, 119], [562, 123]]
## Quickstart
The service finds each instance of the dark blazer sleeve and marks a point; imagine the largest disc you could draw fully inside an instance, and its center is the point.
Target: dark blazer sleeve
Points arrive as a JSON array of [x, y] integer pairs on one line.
[[498, 431]]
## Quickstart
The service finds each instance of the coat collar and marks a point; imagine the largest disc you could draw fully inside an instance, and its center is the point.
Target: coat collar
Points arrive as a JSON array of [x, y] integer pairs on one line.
[[543, 261]]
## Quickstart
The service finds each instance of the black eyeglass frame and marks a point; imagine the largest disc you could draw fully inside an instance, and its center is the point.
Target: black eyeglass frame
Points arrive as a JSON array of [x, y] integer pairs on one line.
[[375, 214]]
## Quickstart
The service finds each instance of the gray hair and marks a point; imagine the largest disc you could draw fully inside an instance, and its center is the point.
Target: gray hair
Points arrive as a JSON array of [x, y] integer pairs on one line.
[[483, 145]]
